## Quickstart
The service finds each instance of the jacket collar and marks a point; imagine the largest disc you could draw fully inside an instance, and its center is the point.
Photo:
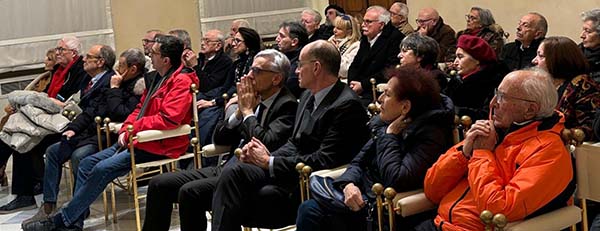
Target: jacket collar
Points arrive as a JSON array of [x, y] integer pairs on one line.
[[519, 133]]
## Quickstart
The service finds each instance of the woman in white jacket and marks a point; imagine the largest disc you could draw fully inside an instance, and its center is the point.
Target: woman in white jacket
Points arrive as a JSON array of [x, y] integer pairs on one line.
[[346, 37]]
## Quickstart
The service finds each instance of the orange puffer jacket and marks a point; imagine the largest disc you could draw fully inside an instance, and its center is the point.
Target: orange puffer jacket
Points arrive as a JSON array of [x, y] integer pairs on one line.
[[527, 171]]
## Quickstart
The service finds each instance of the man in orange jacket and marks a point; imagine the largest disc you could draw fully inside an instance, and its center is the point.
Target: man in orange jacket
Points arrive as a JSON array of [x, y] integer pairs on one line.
[[514, 163]]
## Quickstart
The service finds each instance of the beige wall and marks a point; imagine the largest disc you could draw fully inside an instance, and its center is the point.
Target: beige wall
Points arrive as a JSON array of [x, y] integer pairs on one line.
[[132, 18], [562, 15]]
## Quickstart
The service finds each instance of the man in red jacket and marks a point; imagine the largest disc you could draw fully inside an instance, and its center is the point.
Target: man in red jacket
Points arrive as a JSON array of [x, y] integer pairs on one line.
[[514, 164], [166, 104]]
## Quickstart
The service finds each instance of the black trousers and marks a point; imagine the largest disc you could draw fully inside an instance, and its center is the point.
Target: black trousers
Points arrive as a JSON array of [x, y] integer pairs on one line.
[[28, 168], [192, 189], [246, 195]]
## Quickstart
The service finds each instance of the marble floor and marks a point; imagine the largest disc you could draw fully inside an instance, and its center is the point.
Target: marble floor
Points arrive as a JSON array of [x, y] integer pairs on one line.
[[96, 221]]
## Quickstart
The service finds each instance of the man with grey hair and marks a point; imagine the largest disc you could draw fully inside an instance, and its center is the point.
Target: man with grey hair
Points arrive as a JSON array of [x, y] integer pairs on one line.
[[531, 30], [590, 41], [430, 23], [147, 42], [379, 47], [115, 99], [507, 164], [266, 111], [399, 18], [211, 65], [311, 20]]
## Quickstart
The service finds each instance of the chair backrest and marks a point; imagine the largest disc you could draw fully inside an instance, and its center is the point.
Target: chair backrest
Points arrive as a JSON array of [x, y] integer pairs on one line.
[[587, 159]]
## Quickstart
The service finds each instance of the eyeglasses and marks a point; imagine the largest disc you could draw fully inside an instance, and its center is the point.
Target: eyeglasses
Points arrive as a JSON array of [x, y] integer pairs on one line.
[[470, 17], [146, 41], [62, 49], [501, 96], [258, 70], [394, 14], [302, 63], [367, 21], [421, 21], [237, 41], [88, 56], [206, 40]]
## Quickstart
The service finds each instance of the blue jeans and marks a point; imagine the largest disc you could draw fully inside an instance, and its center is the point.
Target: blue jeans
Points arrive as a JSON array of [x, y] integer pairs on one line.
[[95, 173], [56, 155]]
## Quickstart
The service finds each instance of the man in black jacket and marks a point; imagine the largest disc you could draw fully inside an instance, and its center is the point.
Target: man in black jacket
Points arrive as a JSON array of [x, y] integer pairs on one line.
[[114, 97], [261, 190], [379, 48], [265, 112], [531, 31], [311, 20], [292, 36]]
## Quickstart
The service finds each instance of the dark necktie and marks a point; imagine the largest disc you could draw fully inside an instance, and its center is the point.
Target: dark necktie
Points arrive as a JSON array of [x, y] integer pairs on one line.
[[310, 104], [88, 87], [261, 112]]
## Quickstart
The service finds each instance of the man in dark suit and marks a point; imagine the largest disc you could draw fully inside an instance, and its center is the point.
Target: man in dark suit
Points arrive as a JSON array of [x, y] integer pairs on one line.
[[262, 188], [265, 111], [311, 20], [379, 48]]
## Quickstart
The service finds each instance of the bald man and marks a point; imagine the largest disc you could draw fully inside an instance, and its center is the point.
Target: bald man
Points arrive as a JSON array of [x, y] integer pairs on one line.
[[430, 23]]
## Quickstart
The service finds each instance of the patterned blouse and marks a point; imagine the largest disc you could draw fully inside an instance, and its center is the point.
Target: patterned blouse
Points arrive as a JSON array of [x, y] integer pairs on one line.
[[578, 100]]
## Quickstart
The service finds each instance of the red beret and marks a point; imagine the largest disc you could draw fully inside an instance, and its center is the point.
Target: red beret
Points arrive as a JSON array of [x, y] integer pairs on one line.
[[478, 48]]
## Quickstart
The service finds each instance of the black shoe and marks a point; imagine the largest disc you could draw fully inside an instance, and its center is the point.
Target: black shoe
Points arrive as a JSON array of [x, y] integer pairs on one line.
[[38, 189], [18, 204], [40, 225]]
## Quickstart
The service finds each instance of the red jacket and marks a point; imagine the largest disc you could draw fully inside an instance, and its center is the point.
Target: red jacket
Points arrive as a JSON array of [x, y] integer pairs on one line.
[[169, 107], [529, 169]]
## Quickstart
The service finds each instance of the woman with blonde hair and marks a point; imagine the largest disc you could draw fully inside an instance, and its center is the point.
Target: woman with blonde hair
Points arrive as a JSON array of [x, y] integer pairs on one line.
[[346, 37]]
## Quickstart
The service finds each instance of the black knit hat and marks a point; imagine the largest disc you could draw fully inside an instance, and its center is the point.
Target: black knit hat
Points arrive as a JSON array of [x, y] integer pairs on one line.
[[336, 7], [251, 39]]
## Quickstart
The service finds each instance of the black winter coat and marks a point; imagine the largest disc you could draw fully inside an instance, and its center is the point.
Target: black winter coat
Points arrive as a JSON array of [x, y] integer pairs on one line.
[[401, 161]]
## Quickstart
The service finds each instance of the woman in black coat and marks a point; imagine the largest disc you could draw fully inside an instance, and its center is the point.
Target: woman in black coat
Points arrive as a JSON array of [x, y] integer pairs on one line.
[[412, 130]]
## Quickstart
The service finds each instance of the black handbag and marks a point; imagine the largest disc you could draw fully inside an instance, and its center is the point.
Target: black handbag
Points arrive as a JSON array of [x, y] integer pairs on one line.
[[326, 195]]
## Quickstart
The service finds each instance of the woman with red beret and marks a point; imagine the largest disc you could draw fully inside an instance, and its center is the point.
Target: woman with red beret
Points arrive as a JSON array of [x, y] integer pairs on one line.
[[478, 74]]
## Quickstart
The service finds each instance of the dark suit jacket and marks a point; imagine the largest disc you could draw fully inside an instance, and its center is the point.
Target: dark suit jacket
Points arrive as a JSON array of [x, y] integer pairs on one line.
[[331, 138], [323, 33], [215, 71], [273, 133], [75, 80], [371, 62]]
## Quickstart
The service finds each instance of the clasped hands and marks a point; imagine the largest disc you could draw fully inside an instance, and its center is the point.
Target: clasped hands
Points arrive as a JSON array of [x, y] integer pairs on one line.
[[482, 135], [256, 153]]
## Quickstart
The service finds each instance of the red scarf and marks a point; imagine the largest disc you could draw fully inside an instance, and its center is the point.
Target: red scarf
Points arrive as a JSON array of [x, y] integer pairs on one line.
[[58, 78]]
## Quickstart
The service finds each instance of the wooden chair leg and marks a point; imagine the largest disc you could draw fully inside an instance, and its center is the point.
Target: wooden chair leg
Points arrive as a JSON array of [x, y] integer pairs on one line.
[[114, 202], [105, 205], [584, 219]]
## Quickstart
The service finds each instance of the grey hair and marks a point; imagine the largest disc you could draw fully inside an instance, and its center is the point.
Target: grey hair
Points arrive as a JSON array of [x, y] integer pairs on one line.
[[485, 16], [424, 47], [184, 36], [540, 88], [108, 54], [72, 43], [134, 57], [278, 62], [220, 36], [594, 16], [403, 8], [384, 14], [541, 24], [241, 23], [314, 13]]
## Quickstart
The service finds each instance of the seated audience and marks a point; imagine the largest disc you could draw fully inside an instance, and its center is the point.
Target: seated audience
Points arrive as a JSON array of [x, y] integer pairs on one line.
[[579, 95], [165, 105], [430, 23], [412, 130], [508, 164], [346, 37], [211, 103], [481, 23], [420, 51], [266, 112], [590, 41], [479, 73], [331, 12], [147, 42], [113, 97], [290, 39], [311, 20], [399, 18], [261, 189], [531, 30], [67, 78], [378, 50]]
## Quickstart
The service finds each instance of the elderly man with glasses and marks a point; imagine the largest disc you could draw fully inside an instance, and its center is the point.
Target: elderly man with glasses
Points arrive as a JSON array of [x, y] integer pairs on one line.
[[513, 163], [430, 23], [379, 47]]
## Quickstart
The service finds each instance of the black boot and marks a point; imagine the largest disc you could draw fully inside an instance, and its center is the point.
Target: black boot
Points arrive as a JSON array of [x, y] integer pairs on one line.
[[18, 204]]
